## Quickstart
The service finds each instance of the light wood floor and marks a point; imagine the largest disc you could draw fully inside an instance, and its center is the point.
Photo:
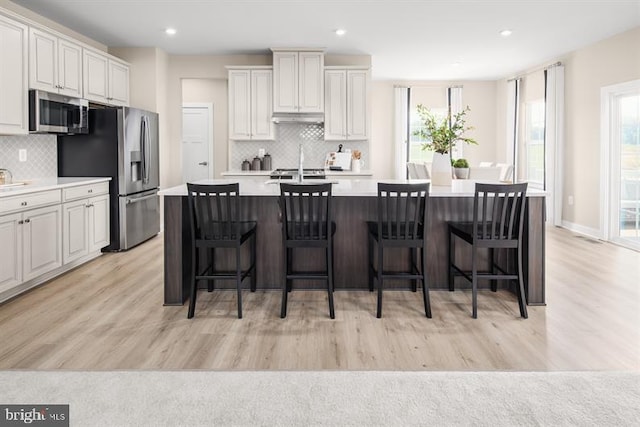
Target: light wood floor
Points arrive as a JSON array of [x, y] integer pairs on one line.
[[108, 314]]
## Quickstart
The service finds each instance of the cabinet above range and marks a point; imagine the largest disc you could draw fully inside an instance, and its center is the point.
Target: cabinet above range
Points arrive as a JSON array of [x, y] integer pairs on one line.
[[298, 80]]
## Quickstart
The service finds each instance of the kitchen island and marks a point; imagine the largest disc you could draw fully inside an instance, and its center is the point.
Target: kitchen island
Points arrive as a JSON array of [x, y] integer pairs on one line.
[[353, 204]]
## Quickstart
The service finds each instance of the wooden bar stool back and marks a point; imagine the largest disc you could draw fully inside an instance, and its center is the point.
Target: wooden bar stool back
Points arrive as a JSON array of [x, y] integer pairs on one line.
[[306, 223], [214, 213], [498, 221], [401, 224]]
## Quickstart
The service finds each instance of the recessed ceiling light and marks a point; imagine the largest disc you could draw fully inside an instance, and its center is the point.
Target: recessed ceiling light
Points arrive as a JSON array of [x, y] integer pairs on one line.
[[505, 33], [340, 32], [170, 31]]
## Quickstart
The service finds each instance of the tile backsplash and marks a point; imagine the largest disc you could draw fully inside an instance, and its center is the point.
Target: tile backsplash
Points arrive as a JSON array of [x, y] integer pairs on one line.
[[41, 156], [284, 150]]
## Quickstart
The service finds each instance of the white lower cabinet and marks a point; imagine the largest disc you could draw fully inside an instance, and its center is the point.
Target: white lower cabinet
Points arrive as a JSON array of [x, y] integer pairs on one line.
[[10, 251], [42, 240], [85, 227], [43, 231], [31, 245]]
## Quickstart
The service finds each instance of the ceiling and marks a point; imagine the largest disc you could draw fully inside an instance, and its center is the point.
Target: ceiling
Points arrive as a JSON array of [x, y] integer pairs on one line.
[[407, 39]]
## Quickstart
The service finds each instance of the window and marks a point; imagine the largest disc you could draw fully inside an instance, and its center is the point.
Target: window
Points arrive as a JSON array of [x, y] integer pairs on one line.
[[416, 153], [534, 143]]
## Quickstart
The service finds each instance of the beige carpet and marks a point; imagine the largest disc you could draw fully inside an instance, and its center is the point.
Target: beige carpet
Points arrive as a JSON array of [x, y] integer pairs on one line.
[[331, 398]]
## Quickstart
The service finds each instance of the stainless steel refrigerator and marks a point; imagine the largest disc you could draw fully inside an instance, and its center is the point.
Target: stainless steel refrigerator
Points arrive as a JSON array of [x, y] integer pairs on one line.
[[122, 143]]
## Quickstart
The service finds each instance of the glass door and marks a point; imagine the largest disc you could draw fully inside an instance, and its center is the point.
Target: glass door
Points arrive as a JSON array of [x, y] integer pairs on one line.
[[625, 169]]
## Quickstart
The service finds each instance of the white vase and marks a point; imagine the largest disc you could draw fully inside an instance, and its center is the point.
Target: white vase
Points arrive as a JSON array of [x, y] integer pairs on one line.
[[441, 169], [355, 165]]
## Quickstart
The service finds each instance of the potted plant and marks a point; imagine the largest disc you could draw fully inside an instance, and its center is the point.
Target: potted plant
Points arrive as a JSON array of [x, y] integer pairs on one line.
[[441, 135], [461, 168]]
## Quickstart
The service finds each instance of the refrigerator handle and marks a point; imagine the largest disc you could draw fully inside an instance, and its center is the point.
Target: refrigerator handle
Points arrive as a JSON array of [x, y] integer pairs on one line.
[[145, 150]]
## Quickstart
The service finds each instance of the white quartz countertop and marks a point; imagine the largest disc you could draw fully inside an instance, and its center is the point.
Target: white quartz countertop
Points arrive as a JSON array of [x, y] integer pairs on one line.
[[337, 174], [32, 186], [341, 187]]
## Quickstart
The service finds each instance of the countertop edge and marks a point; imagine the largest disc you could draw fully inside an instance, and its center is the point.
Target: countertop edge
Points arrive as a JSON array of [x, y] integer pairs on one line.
[[50, 184], [343, 188]]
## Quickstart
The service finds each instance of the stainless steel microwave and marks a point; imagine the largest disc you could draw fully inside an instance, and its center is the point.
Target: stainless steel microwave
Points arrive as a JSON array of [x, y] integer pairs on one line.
[[53, 113]]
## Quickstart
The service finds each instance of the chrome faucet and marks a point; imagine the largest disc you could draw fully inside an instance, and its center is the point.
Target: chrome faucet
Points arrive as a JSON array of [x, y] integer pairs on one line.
[[300, 160]]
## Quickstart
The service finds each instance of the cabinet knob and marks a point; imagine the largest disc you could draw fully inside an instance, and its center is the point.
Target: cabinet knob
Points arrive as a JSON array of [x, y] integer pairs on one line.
[[27, 220], [89, 191], [23, 204], [21, 222]]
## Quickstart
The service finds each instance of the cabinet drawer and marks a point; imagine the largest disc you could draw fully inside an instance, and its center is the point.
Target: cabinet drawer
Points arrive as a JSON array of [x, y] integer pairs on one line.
[[81, 191], [28, 201]]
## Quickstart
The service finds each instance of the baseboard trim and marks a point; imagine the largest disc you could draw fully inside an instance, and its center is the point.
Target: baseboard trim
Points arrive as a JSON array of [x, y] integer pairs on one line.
[[581, 229]]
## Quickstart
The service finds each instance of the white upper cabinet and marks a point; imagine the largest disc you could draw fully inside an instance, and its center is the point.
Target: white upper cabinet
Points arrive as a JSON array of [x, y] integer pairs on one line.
[[55, 64], [118, 83], [250, 101], [298, 81], [346, 114], [357, 105], [105, 80], [13, 77], [261, 104], [335, 105]]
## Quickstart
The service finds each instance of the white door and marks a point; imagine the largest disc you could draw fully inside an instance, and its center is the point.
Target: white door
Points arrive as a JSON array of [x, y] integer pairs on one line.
[[197, 140]]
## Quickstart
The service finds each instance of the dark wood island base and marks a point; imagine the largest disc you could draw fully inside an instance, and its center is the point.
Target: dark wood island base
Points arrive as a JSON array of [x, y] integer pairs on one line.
[[350, 254]]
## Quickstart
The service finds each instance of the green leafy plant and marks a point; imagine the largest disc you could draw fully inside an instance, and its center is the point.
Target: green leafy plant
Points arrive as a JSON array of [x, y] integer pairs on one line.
[[461, 163], [442, 134]]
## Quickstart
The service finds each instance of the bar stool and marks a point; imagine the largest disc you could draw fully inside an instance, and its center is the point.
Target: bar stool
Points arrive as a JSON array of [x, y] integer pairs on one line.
[[498, 220], [401, 224], [306, 223], [214, 212]]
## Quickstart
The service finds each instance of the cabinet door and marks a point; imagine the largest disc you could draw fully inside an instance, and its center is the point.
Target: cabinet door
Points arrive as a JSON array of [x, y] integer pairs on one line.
[[10, 251], [118, 83], [335, 105], [240, 104], [311, 82], [261, 102], [69, 68], [285, 82], [42, 241], [98, 226], [13, 77], [43, 53], [95, 76], [357, 110], [75, 239]]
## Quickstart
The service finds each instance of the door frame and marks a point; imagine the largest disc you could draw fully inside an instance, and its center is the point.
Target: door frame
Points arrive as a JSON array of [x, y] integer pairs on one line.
[[608, 133], [209, 107]]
